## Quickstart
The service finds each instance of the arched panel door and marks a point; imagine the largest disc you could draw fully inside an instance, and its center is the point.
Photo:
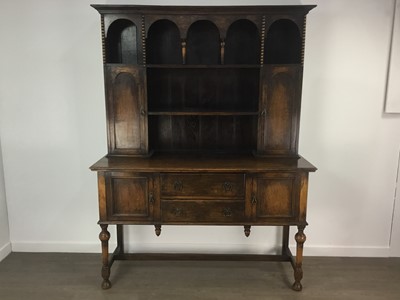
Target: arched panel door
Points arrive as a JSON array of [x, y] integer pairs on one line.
[[283, 44], [164, 43], [280, 107], [127, 117], [242, 44], [121, 42], [203, 43]]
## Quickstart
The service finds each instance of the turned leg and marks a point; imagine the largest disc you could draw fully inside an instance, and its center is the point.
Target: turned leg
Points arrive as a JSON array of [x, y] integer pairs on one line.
[[105, 270], [298, 270]]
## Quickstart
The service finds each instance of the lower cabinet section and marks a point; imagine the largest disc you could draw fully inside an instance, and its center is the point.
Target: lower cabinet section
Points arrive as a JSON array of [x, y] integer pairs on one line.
[[274, 196], [168, 198]]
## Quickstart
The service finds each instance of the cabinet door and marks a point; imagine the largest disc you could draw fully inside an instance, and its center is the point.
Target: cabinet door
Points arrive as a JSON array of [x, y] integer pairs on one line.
[[275, 197], [130, 197], [279, 110], [126, 110]]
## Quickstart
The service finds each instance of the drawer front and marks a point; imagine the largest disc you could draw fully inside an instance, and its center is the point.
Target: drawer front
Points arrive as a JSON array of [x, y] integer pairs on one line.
[[205, 212], [202, 186]]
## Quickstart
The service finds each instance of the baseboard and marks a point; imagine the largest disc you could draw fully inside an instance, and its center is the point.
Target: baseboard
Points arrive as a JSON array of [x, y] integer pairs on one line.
[[343, 251], [61, 247], [4, 251]]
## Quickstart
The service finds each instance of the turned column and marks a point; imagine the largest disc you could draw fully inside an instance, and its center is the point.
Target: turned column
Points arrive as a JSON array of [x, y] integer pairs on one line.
[[104, 237], [298, 270]]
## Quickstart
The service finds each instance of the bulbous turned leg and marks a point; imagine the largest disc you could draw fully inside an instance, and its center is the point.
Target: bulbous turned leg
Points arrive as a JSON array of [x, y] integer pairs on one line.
[[157, 229], [247, 230], [298, 270], [104, 237]]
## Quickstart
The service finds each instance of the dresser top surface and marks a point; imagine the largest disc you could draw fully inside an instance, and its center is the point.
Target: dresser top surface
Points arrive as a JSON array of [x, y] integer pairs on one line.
[[202, 163]]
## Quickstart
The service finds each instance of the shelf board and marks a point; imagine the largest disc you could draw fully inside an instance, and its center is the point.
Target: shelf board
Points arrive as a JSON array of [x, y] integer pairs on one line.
[[178, 66], [203, 113]]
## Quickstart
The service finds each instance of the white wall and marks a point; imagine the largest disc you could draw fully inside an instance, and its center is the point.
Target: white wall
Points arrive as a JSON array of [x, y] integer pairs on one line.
[[393, 87], [395, 240], [5, 245], [52, 125]]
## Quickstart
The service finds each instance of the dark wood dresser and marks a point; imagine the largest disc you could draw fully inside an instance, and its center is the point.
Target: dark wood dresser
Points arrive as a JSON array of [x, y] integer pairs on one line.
[[203, 109]]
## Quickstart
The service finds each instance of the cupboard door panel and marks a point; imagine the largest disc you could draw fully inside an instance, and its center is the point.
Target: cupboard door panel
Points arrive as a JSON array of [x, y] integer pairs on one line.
[[280, 107], [126, 112], [127, 116], [275, 196], [279, 112], [130, 197]]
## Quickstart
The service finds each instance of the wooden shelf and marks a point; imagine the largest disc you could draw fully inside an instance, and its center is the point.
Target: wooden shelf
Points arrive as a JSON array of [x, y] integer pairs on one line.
[[177, 66], [202, 113]]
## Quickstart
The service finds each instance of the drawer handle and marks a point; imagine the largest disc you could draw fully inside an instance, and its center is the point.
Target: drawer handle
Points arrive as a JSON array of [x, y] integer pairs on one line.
[[228, 186], [227, 212], [142, 112], [178, 185], [254, 200], [177, 211], [151, 198]]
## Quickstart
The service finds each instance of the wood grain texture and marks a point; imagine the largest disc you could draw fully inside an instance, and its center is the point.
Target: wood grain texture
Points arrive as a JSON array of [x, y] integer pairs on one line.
[[126, 110], [202, 212], [202, 185], [275, 197], [130, 196]]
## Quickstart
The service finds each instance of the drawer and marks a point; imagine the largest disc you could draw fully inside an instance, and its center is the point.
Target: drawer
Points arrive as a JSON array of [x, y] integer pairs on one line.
[[203, 185], [202, 211]]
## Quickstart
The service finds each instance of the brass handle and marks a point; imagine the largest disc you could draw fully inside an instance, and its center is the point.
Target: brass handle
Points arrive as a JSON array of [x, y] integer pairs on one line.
[[253, 199], [228, 186], [151, 198], [178, 185], [227, 212]]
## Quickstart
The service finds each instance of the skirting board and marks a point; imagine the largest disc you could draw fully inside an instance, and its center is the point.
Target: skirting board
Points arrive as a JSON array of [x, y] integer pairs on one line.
[[4, 251], [341, 251]]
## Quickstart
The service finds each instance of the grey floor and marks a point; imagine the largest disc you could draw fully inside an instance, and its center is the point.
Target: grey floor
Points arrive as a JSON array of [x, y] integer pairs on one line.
[[77, 276]]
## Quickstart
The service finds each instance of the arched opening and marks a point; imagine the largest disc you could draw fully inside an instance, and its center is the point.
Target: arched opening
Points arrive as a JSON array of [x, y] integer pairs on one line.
[[242, 44], [203, 43], [164, 43], [121, 43], [283, 43]]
